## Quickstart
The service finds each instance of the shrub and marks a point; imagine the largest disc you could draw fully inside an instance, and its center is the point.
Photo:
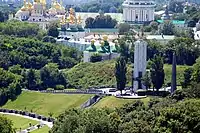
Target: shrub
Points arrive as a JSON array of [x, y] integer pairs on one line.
[[95, 58], [39, 117], [59, 87], [50, 89]]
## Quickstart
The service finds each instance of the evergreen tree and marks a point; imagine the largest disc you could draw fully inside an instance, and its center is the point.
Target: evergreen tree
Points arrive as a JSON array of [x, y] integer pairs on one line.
[[157, 72], [187, 77], [120, 73], [53, 29], [31, 80]]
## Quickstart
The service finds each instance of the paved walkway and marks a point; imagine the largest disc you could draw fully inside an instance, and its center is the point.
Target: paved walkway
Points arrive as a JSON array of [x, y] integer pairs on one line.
[[30, 129], [49, 124]]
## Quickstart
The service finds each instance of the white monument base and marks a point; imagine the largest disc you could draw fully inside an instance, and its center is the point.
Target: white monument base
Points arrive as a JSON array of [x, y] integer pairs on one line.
[[131, 97]]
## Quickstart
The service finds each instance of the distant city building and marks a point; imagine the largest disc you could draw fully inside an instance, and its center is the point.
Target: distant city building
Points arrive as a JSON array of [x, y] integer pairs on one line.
[[138, 11], [103, 48], [37, 12]]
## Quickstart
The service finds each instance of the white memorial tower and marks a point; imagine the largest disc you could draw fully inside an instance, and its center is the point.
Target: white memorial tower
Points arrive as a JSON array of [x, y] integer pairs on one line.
[[140, 63], [138, 11]]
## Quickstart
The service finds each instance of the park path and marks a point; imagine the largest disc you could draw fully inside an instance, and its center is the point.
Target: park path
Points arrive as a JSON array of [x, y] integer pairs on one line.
[[49, 124], [30, 129]]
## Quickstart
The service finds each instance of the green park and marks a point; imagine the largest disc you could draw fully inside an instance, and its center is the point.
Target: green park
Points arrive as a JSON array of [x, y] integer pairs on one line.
[[99, 67]]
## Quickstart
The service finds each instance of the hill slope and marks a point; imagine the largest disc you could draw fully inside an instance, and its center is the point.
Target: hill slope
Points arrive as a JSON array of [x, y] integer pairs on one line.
[[112, 102], [43, 103], [86, 75]]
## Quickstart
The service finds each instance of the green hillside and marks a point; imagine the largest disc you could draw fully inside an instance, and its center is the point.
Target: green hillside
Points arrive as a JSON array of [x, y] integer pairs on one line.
[[112, 102], [86, 75], [43, 103], [20, 122]]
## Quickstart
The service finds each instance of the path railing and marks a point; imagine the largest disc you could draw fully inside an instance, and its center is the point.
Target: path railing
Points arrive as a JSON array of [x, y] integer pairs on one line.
[[89, 91], [29, 114]]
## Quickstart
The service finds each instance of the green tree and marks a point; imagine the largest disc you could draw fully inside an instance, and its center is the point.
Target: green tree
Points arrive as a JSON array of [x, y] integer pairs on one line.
[[31, 80], [124, 28], [95, 58], [16, 69], [154, 25], [187, 77], [157, 72], [196, 71], [167, 28], [146, 80], [120, 73], [51, 76], [53, 29], [89, 22], [6, 125]]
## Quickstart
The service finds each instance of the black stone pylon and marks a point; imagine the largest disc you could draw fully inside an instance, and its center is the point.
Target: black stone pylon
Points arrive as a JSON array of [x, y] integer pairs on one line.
[[173, 82]]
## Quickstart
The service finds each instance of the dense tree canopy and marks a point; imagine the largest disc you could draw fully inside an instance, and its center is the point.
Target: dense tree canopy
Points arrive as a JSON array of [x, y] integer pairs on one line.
[[10, 86], [159, 115], [6, 126], [20, 29], [30, 53], [100, 21]]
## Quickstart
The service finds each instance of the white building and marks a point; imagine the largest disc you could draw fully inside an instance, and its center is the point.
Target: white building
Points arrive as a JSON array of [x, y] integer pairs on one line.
[[138, 11], [140, 63]]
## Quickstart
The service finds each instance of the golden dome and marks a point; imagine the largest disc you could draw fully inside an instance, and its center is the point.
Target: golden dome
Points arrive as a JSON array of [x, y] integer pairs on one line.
[[92, 41], [79, 20], [57, 6], [29, 6], [24, 8], [105, 38], [102, 43], [37, 1], [71, 10], [52, 11]]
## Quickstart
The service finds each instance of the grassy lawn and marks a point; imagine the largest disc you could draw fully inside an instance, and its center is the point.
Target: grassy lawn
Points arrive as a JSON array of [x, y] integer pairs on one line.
[[20, 122], [113, 102], [180, 70], [44, 129], [44, 103]]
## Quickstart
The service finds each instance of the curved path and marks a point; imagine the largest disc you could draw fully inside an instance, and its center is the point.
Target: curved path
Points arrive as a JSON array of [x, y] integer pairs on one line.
[[49, 124]]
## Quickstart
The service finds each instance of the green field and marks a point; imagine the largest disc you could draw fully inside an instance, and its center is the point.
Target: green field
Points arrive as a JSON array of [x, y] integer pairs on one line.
[[44, 103], [112, 102], [44, 129], [20, 122]]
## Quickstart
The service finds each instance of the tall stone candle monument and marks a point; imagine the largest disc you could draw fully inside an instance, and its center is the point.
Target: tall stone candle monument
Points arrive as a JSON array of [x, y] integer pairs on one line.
[[140, 63]]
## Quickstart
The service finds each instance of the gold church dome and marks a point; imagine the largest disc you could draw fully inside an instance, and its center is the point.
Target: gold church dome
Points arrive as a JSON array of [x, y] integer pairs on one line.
[[29, 6], [24, 8], [105, 38], [37, 1], [57, 6]]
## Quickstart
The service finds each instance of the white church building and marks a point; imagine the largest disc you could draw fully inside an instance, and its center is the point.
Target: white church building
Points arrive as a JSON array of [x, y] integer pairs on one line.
[[138, 11]]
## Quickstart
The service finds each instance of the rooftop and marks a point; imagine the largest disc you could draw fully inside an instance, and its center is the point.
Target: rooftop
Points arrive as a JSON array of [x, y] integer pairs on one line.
[[173, 21]]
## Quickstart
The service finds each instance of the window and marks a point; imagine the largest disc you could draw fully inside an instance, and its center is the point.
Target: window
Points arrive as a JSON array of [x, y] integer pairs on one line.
[[147, 17], [136, 17], [39, 19], [33, 19]]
